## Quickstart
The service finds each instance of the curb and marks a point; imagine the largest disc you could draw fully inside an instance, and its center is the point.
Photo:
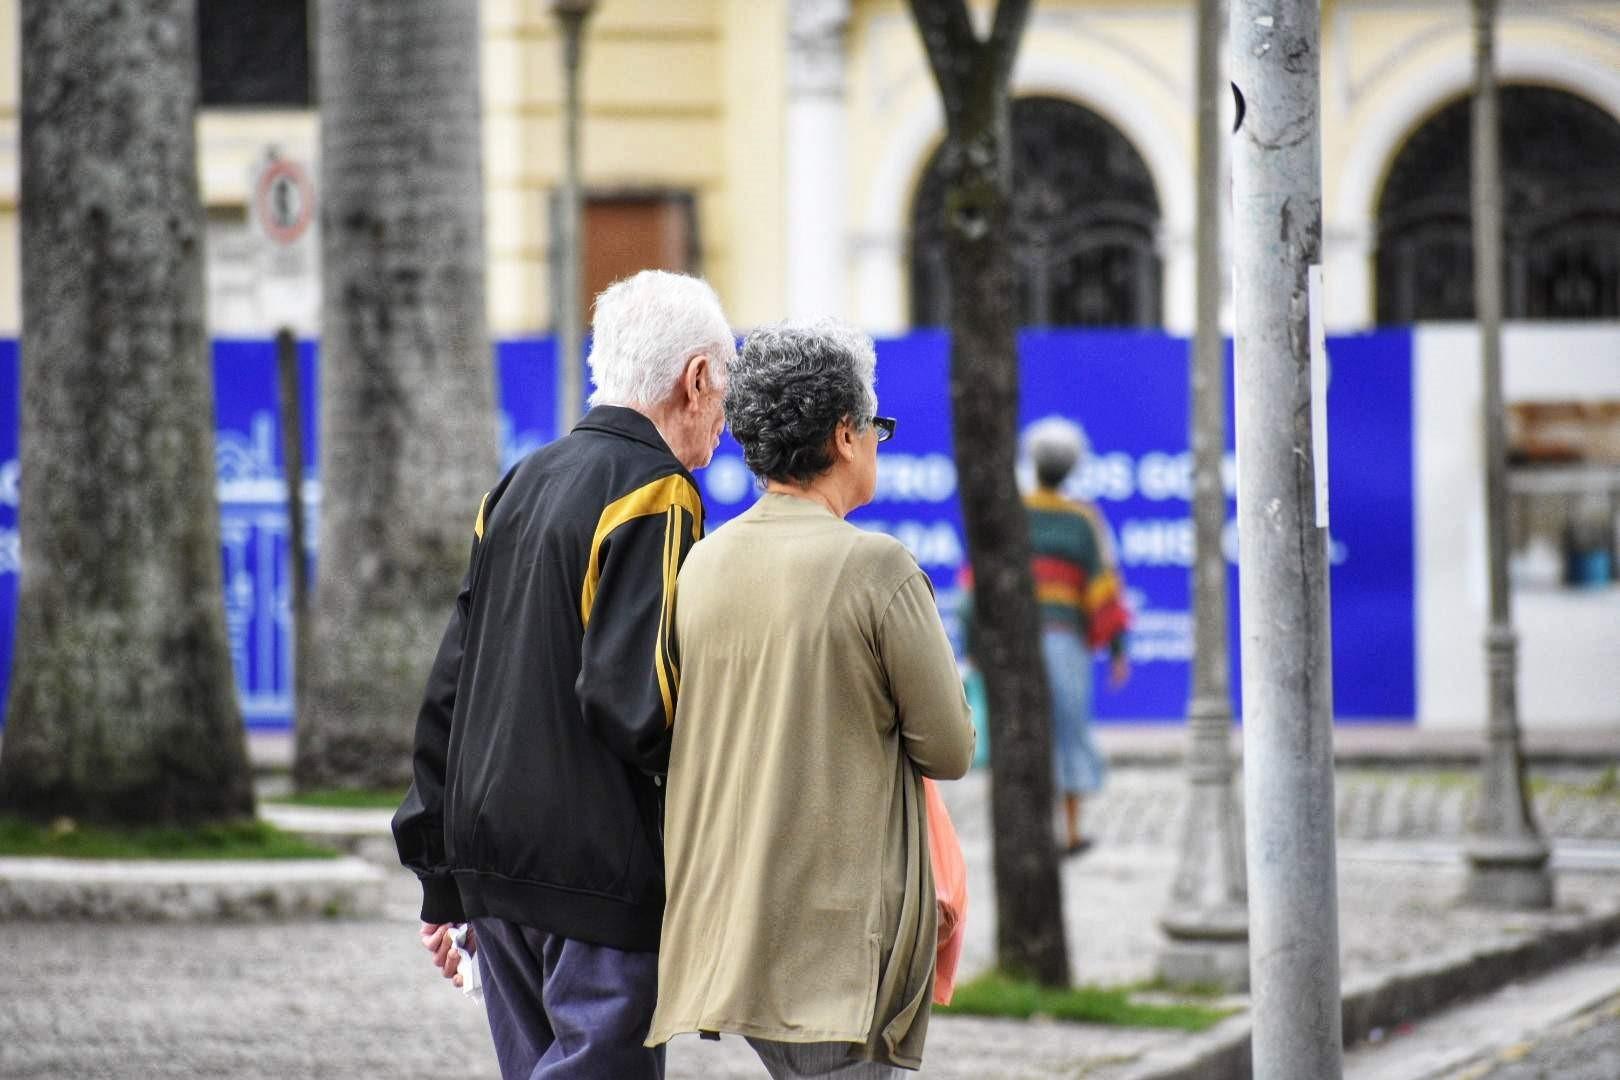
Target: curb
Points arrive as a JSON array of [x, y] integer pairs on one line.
[[367, 833], [175, 890], [1417, 990]]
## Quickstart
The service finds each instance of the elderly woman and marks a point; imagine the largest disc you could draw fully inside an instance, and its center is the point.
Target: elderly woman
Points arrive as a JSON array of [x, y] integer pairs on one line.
[[817, 688], [1082, 609]]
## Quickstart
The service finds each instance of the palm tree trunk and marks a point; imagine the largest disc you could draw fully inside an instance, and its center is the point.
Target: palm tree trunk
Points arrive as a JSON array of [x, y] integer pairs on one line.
[[407, 387], [122, 705]]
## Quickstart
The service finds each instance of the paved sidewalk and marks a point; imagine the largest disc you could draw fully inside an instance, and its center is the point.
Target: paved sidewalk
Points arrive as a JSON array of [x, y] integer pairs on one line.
[[1540, 1017], [358, 998]]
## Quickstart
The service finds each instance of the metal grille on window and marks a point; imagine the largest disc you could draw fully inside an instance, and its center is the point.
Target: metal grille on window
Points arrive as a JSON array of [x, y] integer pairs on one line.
[[254, 52], [1561, 213], [1085, 220]]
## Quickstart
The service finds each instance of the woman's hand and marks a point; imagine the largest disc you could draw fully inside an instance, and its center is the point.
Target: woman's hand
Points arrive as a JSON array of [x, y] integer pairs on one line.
[[1119, 671]]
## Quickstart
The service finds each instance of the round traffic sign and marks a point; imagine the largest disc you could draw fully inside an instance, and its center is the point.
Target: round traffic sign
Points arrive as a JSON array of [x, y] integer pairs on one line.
[[284, 201]]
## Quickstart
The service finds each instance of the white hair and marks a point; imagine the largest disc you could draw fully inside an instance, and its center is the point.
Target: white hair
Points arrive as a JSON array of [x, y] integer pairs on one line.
[[644, 331], [1054, 445]]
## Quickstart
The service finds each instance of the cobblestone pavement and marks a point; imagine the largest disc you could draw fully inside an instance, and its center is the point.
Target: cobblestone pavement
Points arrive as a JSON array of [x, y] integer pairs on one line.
[[1144, 805], [358, 999], [1587, 1048]]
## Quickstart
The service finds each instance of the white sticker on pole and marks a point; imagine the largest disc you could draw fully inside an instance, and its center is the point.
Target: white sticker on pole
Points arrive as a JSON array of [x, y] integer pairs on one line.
[[1319, 392]]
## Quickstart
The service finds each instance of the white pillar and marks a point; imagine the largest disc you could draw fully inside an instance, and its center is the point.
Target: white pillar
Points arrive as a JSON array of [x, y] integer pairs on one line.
[[1178, 256], [1347, 278], [817, 182], [880, 283]]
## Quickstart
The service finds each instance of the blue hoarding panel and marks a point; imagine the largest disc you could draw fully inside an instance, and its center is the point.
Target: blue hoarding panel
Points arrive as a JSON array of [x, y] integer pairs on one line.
[[10, 555], [1129, 390]]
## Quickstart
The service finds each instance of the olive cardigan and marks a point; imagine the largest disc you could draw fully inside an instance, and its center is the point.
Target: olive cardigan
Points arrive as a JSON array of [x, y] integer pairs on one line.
[[816, 688]]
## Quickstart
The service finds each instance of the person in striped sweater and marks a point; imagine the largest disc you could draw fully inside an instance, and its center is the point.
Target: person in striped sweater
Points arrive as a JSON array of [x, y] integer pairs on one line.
[[1082, 604], [1080, 593]]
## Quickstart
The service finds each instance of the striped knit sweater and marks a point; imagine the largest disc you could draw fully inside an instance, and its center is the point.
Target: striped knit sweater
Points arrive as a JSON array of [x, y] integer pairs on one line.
[[1076, 581]]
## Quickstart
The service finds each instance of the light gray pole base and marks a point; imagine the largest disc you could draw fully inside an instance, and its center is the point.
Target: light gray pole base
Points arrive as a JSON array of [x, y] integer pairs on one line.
[[1223, 964], [1509, 875], [1206, 947]]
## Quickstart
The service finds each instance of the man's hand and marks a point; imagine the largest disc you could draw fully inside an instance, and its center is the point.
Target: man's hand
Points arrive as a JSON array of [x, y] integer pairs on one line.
[[446, 957], [1119, 671]]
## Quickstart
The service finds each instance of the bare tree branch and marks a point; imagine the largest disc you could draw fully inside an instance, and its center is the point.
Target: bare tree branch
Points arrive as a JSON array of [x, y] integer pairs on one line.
[[1005, 34], [953, 50]]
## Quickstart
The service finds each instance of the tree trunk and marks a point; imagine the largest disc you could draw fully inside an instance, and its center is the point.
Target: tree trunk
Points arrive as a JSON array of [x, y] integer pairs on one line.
[[976, 163], [123, 706], [407, 387]]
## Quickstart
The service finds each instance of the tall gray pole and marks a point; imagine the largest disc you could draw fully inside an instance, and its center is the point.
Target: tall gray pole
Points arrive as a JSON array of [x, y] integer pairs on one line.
[[1287, 670], [1507, 857], [1207, 922], [571, 16]]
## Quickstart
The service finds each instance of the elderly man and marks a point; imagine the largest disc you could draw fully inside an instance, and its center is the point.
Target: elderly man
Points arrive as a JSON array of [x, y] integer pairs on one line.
[[543, 735]]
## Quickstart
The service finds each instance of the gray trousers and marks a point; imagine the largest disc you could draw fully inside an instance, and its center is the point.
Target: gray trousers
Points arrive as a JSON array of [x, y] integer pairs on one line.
[[567, 1010], [791, 1061]]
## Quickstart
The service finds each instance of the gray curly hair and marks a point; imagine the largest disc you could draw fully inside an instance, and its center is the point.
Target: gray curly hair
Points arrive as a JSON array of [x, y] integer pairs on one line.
[[790, 388]]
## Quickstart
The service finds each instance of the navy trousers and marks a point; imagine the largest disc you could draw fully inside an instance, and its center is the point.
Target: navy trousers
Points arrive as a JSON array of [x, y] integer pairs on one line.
[[561, 1009]]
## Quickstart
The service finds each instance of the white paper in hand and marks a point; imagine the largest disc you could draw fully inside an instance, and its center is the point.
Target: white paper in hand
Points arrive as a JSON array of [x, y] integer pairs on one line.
[[472, 979]]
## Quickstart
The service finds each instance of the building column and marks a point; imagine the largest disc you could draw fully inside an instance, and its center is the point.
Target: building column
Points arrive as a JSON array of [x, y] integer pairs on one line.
[[817, 173], [1179, 298], [1347, 277]]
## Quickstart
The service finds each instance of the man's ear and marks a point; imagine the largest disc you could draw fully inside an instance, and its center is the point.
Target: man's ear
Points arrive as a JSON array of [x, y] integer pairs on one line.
[[697, 378]]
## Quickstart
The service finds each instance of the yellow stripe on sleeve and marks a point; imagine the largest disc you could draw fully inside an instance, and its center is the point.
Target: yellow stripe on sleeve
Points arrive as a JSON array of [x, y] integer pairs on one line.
[[672, 548], [478, 526], [1103, 588], [647, 500]]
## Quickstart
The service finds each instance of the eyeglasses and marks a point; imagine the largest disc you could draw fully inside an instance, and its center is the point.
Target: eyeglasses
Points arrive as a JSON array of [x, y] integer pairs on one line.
[[885, 427]]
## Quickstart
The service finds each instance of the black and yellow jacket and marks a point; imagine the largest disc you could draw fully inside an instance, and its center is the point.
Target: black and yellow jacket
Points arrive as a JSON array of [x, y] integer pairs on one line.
[[544, 732]]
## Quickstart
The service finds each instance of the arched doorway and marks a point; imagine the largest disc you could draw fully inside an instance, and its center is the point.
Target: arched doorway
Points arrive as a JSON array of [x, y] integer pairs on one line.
[[1085, 220], [1561, 213]]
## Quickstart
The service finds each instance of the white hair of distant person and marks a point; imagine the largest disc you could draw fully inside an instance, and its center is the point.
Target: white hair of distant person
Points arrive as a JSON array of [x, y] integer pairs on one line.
[[645, 329], [1054, 445]]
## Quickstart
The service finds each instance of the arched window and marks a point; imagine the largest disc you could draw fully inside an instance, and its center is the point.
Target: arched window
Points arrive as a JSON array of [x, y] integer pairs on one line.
[[1561, 213], [1085, 219], [254, 53]]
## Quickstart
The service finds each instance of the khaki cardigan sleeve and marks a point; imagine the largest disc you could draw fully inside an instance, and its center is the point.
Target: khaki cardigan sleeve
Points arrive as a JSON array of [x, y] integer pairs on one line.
[[936, 728]]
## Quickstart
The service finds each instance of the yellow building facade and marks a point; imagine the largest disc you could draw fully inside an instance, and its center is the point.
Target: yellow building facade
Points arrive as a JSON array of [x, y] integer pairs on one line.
[[798, 132]]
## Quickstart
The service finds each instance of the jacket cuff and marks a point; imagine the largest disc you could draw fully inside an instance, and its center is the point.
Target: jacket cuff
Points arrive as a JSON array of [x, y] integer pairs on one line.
[[441, 900]]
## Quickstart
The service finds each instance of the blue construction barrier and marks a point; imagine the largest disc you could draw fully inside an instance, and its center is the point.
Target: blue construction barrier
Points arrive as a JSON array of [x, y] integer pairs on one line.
[[1129, 390]]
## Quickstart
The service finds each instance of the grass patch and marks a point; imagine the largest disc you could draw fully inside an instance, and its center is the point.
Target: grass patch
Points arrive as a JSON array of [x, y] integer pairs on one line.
[[233, 840], [342, 799], [995, 994], [1158, 985]]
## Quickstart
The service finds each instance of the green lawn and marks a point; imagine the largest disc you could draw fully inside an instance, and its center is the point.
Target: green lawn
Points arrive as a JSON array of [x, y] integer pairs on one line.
[[237, 840], [995, 994], [342, 799]]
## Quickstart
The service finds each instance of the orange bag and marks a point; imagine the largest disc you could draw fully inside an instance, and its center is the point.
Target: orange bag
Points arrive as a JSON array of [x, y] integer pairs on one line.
[[950, 891]]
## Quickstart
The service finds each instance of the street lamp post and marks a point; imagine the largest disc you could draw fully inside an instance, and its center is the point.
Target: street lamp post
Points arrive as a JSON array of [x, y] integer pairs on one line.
[[1282, 542], [570, 247], [1507, 857], [1207, 922]]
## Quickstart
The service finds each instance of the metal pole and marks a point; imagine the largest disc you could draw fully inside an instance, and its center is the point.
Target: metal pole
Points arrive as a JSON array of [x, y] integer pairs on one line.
[[571, 16], [1208, 919], [1507, 856], [1287, 670]]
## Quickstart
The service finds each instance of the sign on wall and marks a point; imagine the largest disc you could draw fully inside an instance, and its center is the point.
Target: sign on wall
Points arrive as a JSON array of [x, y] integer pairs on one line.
[[1129, 391]]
